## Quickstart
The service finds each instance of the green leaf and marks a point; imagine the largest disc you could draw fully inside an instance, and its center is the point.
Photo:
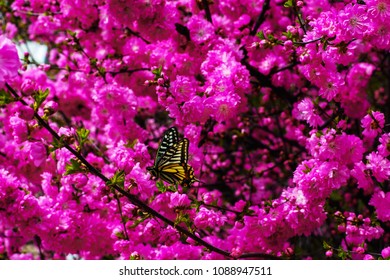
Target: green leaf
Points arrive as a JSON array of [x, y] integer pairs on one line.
[[71, 33], [325, 45], [271, 37], [157, 72], [131, 144], [82, 134], [326, 246], [5, 97], [260, 35], [134, 257], [288, 34], [141, 218], [40, 97], [288, 4], [93, 62], [118, 179], [120, 235], [336, 196], [57, 144], [343, 254], [184, 218], [102, 70], [73, 167], [161, 187]]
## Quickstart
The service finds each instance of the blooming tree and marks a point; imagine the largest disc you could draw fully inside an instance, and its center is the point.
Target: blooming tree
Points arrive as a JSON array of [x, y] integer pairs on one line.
[[285, 105]]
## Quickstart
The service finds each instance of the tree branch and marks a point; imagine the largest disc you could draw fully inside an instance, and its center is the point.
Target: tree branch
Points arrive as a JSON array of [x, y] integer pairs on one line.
[[261, 17]]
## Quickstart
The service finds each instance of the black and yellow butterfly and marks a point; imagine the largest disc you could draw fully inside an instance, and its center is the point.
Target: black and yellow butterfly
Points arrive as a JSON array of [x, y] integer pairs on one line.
[[171, 160]]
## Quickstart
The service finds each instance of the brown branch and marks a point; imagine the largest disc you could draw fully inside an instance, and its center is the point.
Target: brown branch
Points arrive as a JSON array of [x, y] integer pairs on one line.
[[207, 11], [261, 17]]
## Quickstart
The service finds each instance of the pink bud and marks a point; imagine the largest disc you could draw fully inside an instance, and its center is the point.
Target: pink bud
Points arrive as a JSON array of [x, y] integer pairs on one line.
[[386, 253], [359, 250], [50, 108], [368, 257], [28, 87], [239, 225], [236, 252], [288, 44], [160, 81], [45, 67], [80, 180], [341, 228], [263, 43]]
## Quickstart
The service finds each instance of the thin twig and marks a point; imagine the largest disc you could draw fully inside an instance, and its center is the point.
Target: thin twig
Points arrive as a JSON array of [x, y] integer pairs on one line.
[[207, 10], [261, 17]]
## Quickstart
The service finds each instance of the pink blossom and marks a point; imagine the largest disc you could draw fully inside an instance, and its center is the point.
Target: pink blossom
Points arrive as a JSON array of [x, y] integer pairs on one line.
[[386, 253], [384, 147], [379, 166], [9, 60], [206, 218], [19, 127], [360, 74], [355, 20], [368, 257], [223, 106], [306, 110], [200, 29], [183, 89], [381, 201], [373, 124], [379, 8], [179, 201], [37, 153], [332, 86], [362, 175]]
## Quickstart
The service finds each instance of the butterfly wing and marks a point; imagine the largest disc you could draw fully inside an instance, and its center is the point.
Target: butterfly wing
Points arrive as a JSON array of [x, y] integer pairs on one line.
[[173, 167], [171, 160], [189, 176], [173, 173], [169, 139], [177, 154]]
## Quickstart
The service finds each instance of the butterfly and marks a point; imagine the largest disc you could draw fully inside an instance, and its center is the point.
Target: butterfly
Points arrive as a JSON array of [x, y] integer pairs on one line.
[[171, 160]]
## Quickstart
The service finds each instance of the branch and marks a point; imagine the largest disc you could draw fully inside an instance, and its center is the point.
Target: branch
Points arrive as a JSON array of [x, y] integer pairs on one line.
[[207, 10], [299, 15], [128, 71], [261, 17]]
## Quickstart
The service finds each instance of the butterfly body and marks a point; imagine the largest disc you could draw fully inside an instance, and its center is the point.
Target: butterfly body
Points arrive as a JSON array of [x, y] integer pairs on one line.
[[171, 160]]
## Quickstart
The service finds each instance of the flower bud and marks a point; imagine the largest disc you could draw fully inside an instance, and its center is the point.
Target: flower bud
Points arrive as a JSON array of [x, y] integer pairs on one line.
[[28, 87], [50, 108]]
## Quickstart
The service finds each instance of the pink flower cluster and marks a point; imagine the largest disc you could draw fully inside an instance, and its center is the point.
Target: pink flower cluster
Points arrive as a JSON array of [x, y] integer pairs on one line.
[[285, 105]]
